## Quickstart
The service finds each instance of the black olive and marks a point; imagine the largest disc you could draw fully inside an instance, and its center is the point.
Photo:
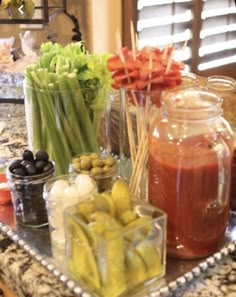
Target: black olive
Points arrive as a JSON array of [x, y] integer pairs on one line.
[[19, 171], [40, 165], [15, 164], [42, 155], [31, 169], [28, 155], [47, 167], [24, 163]]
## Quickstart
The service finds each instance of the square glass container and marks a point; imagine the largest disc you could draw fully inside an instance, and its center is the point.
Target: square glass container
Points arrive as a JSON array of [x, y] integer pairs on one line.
[[113, 257]]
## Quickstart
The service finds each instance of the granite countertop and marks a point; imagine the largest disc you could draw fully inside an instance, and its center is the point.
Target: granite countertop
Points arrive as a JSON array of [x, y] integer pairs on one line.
[[27, 277]]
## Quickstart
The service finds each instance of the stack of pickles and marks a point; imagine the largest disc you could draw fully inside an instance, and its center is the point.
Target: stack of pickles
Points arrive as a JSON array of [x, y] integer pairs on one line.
[[114, 242]]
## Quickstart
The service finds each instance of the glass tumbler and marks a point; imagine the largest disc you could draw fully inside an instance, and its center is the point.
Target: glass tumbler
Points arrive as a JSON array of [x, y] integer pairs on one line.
[[190, 158], [27, 198], [60, 192]]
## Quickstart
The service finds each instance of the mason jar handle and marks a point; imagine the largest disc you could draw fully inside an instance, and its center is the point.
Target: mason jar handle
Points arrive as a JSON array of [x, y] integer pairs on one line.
[[221, 149]]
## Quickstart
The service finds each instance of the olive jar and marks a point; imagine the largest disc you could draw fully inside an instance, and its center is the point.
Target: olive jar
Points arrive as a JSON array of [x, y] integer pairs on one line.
[[27, 197], [190, 160]]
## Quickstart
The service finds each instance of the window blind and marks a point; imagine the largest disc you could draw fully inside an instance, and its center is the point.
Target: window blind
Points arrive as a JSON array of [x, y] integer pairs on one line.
[[209, 26], [162, 22], [217, 34]]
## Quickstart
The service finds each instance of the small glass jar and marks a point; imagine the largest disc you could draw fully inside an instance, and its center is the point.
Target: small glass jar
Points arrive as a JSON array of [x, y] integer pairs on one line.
[[225, 86], [190, 159], [189, 79], [59, 193], [102, 167], [27, 198]]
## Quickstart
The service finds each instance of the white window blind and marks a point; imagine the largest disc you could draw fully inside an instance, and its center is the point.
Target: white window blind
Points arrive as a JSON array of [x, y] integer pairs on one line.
[[209, 26], [161, 22], [218, 34]]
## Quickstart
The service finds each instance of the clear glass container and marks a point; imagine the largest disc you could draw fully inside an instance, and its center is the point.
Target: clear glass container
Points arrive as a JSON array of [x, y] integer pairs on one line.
[[189, 79], [57, 199], [225, 86], [64, 122], [27, 198], [190, 160], [102, 167], [111, 256]]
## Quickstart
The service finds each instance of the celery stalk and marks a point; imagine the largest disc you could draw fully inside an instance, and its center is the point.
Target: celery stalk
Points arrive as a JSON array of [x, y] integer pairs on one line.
[[62, 120]]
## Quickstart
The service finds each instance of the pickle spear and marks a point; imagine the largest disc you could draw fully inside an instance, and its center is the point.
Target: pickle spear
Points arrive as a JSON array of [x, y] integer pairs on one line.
[[151, 257], [81, 259], [135, 265], [120, 194], [114, 277]]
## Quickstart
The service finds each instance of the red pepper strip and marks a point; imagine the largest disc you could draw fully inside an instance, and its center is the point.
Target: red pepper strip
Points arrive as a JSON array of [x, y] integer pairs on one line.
[[143, 84], [145, 72], [122, 75], [130, 85], [169, 85], [114, 63], [146, 52]]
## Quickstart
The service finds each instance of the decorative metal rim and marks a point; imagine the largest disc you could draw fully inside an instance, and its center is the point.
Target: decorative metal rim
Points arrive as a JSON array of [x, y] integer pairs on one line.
[[171, 287]]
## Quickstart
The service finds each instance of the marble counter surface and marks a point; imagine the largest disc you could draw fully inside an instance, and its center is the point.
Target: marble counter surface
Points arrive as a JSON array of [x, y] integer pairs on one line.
[[28, 278]]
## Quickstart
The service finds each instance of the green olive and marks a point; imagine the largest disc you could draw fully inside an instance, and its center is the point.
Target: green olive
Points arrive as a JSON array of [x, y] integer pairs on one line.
[[85, 164], [107, 169], [109, 161], [96, 171], [76, 166], [97, 163], [76, 160], [94, 156], [84, 157]]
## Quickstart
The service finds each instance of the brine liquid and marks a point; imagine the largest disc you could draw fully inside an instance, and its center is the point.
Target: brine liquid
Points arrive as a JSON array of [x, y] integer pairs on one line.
[[186, 184]]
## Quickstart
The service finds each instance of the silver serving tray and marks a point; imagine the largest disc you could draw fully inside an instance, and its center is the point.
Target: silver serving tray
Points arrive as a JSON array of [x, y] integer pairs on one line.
[[36, 242]]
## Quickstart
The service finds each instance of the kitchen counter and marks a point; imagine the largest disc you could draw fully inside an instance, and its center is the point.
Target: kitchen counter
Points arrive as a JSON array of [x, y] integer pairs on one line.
[[27, 277]]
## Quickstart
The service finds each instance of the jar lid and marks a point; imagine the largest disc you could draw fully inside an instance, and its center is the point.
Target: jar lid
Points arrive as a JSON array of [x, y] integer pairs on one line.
[[192, 102]]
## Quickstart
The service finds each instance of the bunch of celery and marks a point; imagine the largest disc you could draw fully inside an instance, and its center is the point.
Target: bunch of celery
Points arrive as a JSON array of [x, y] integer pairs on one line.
[[66, 93]]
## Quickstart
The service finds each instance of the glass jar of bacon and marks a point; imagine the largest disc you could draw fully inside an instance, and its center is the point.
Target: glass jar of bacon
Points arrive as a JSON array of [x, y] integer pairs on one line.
[[190, 159]]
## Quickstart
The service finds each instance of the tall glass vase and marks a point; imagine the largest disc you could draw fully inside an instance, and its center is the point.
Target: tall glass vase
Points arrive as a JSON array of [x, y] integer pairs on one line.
[[137, 111], [64, 123]]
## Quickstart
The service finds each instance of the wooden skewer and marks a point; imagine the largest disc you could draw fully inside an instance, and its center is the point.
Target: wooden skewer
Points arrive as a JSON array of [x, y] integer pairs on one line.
[[131, 138], [169, 62], [132, 145], [133, 41], [182, 50]]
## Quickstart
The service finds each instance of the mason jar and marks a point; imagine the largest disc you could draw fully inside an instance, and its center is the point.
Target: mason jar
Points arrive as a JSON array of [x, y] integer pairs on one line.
[[27, 197], [190, 160]]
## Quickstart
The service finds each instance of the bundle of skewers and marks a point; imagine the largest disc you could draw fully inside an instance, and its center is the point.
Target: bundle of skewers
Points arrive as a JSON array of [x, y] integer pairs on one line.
[[141, 75]]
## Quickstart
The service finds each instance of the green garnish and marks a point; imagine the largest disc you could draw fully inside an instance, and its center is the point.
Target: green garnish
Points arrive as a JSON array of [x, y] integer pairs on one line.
[[67, 92]]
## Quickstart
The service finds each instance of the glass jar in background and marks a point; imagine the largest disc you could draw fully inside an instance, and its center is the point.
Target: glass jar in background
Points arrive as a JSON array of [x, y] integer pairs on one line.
[[189, 79], [225, 86], [190, 156]]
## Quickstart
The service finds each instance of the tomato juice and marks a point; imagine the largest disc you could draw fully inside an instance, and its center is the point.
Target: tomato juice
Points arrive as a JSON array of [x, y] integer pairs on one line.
[[189, 182]]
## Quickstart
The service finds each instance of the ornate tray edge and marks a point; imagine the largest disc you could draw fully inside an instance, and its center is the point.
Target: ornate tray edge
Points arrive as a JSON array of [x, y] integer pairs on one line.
[[165, 290]]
